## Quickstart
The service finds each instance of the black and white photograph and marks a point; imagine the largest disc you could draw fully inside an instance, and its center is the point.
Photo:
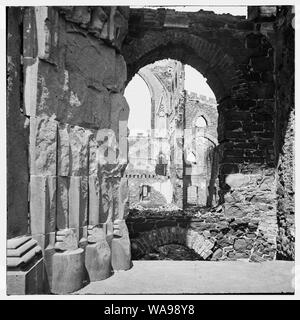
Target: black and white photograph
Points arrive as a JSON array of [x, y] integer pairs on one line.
[[150, 150]]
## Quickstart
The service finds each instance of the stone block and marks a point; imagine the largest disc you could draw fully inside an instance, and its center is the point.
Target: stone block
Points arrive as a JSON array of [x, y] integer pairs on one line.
[[109, 232], [42, 204], [94, 200], [237, 180], [94, 61], [25, 268], [68, 271], [93, 154], [97, 232], [115, 29], [106, 207], [62, 217], [98, 260], [107, 153], [122, 193], [66, 240], [119, 115], [78, 139], [121, 73], [268, 183], [240, 245], [234, 210], [45, 240], [26, 282], [120, 247], [43, 146], [30, 68], [84, 104], [78, 197], [98, 18], [63, 150], [217, 254], [121, 254]]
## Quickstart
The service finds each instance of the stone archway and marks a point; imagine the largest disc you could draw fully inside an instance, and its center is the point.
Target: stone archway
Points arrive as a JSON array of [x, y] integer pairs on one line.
[[238, 64], [209, 59]]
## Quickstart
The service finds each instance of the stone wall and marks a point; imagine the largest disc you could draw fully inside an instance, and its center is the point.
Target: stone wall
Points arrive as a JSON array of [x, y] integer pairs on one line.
[[73, 83], [160, 193], [277, 25], [158, 155], [200, 144], [212, 235], [285, 122], [17, 131], [237, 60]]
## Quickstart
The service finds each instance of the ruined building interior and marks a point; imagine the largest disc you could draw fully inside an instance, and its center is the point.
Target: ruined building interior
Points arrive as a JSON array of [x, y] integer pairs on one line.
[[213, 178]]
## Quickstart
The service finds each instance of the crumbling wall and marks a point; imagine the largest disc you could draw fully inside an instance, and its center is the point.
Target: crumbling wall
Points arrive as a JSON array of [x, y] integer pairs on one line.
[[276, 23], [213, 235], [17, 131], [74, 79], [285, 131], [200, 145], [236, 57], [160, 193]]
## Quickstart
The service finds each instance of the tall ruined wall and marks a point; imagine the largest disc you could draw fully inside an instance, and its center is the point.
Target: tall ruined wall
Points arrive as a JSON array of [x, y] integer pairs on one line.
[[285, 131], [277, 24], [237, 60], [17, 131], [73, 83], [200, 144], [165, 80], [144, 154], [144, 169]]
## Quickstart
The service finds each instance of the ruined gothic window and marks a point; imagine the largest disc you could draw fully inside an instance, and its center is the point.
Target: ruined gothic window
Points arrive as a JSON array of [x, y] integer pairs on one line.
[[161, 166], [145, 192], [201, 122]]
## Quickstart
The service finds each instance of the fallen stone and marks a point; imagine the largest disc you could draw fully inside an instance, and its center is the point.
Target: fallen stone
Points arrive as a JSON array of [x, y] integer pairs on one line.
[[217, 254], [237, 180], [240, 245]]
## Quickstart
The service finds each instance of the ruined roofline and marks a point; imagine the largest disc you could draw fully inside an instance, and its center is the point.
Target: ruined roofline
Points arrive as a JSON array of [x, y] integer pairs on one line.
[[169, 9], [203, 98]]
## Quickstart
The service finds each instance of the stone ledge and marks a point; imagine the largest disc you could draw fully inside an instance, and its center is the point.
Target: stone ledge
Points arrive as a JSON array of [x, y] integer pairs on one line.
[[22, 252]]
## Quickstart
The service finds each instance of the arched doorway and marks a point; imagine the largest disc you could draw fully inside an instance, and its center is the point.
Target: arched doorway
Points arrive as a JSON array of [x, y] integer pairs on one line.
[[234, 60]]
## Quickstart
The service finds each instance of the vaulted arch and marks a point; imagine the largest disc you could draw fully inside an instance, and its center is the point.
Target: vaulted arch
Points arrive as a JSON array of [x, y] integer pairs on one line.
[[206, 57]]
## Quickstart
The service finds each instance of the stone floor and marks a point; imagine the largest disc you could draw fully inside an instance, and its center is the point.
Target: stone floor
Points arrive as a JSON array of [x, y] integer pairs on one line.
[[198, 277]]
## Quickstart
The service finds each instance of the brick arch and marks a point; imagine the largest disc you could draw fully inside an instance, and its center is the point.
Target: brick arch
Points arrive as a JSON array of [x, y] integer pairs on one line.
[[195, 113], [149, 240], [207, 57]]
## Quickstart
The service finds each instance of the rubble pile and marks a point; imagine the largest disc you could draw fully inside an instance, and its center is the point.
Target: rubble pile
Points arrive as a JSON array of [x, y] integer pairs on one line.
[[209, 232]]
